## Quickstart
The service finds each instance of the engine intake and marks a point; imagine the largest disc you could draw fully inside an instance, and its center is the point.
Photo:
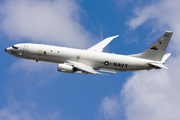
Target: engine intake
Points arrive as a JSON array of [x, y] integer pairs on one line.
[[65, 68]]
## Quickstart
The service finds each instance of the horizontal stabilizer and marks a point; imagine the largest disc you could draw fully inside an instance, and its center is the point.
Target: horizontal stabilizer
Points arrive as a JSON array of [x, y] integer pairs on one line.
[[100, 46], [165, 57], [158, 65]]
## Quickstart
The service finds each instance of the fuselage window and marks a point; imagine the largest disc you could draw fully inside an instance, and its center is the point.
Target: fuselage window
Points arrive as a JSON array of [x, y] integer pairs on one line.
[[14, 47], [51, 50], [58, 51], [44, 52]]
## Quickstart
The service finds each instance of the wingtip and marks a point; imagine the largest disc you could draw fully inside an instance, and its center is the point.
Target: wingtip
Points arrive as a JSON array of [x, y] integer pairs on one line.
[[169, 31], [169, 53], [114, 36]]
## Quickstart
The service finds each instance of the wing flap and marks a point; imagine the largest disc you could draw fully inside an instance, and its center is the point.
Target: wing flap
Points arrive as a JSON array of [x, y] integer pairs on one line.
[[83, 67], [100, 46], [107, 70]]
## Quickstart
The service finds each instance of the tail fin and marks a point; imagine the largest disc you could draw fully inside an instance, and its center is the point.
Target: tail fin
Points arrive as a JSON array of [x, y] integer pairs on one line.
[[156, 50]]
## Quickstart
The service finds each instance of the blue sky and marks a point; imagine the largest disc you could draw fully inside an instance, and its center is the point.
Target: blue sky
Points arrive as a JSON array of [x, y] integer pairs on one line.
[[33, 91]]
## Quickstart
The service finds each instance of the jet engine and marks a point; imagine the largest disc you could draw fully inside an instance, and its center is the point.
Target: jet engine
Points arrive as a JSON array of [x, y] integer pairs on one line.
[[66, 68]]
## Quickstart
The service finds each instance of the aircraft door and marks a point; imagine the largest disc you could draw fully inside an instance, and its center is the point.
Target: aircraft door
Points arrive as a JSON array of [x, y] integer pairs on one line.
[[25, 50]]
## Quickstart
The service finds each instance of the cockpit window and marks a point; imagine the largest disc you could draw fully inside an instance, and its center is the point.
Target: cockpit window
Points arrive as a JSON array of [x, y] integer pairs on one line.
[[14, 47]]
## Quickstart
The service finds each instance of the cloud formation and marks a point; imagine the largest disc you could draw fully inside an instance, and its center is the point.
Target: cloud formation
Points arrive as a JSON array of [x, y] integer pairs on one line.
[[162, 16], [110, 108], [44, 21], [154, 94], [16, 111], [9, 113]]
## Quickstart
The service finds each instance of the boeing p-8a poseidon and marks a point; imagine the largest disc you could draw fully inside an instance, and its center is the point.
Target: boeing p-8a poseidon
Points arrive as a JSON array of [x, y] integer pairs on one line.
[[88, 61]]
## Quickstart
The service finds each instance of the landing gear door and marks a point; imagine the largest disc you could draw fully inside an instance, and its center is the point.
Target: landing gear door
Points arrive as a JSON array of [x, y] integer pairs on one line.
[[25, 50]]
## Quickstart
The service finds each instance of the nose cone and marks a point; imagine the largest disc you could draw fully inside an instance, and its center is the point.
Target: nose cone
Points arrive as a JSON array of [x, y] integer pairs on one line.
[[7, 50]]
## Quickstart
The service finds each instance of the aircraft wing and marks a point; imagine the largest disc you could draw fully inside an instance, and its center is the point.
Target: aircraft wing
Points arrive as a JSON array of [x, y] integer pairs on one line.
[[83, 67], [99, 46]]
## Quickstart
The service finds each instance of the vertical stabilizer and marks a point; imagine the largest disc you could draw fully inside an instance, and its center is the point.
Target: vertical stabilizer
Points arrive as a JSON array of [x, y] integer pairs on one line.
[[156, 50]]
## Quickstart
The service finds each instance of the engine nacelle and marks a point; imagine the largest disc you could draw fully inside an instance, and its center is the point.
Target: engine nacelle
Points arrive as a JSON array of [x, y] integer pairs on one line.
[[65, 68]]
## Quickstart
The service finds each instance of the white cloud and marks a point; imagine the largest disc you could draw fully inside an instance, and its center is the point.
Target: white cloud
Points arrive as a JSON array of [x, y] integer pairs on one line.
[[154, 94], [163, 16], [147, 95], [44, 21], [109, 108], [14, 111], [26, 110]]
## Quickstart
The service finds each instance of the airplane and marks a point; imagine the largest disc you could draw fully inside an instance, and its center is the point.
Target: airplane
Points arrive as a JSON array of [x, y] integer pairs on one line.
[[88, 61]]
